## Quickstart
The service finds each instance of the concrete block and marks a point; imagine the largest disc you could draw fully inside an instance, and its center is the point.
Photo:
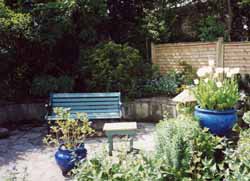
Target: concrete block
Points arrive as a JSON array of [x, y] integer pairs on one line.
[[142, 110]]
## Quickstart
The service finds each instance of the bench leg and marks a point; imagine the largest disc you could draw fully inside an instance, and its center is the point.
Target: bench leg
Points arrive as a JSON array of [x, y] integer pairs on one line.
[[48, 127], [110, 141], [130, 144]]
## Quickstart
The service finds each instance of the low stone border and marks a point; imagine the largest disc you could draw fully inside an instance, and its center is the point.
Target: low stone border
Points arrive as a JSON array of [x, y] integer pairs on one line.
[[147, 109]]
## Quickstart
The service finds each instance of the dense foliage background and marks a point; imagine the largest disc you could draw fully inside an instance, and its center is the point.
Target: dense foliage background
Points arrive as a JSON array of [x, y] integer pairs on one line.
[[62, 45]]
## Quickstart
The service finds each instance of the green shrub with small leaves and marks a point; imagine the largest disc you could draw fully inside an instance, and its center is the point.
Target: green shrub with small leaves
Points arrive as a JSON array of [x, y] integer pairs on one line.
[[246, 117], [67, 130], [123, 167], [237, 159], [184, 147], [209, 29], [115, 67], [166, 84], [43, 85]]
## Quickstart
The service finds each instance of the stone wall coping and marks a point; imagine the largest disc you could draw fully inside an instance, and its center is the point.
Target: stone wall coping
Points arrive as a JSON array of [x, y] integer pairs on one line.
[[162, 99]]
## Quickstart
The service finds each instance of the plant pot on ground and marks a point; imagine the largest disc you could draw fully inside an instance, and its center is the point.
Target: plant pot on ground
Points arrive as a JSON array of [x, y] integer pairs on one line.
[[69, 134], [216, 93]]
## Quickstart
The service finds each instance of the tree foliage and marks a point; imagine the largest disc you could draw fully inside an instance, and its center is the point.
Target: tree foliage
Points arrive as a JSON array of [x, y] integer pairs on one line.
[[53, 37]]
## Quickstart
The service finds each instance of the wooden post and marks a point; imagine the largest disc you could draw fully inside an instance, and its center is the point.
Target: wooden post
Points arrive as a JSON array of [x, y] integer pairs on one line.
[[220, 53], [153, 60]]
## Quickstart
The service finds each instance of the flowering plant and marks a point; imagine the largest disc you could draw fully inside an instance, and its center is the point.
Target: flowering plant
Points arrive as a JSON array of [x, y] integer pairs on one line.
[[217, 88]]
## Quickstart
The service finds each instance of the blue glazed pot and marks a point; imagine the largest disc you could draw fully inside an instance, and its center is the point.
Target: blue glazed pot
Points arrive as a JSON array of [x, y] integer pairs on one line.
[[66, 159], [219, 122]]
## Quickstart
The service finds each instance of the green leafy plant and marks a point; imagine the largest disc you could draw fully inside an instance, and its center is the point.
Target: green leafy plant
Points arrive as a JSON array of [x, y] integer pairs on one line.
[[67, 130], [173, 145], [203, 164], [167, 84], [188, 73], [114, 67], [121, 168], [186, 108], [237, 159], [217, 88], [246, 117], [210, 29], [43, 85], [185, 149]]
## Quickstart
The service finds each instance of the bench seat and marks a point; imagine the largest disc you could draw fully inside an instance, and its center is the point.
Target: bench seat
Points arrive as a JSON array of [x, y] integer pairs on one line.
[[95, 105]]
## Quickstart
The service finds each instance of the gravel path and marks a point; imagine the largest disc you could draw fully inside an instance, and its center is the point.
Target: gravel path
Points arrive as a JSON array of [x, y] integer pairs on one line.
[[23, 155]]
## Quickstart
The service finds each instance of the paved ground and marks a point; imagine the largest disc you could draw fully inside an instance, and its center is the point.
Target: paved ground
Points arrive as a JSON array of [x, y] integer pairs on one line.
[[23, 155]]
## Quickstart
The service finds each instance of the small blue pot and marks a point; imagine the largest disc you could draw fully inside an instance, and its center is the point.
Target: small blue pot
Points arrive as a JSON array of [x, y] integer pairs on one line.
[[66, 159], [219, 122]]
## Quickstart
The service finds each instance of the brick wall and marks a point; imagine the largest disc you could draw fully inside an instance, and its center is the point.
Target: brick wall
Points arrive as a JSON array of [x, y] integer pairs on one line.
[[168, 56]]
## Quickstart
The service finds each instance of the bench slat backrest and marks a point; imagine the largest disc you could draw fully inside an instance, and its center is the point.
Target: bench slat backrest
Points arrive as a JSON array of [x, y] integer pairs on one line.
[[96, 105]]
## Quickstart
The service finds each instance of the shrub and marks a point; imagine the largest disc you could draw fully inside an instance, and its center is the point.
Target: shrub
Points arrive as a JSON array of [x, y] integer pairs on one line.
[[237, 159], [43, 85], [174, 146], [122, 168], [114, 67], [210, 29], [183, 148], [166, 84], [170, 83], [246, 117], [13, 25]]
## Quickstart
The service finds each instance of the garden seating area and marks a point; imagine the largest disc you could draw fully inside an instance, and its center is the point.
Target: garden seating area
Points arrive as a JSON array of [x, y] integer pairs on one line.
[[24, 153], [124, 90]]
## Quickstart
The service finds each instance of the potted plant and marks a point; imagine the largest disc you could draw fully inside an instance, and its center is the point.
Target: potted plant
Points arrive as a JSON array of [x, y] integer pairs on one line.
[[69, 134], [216, 92]]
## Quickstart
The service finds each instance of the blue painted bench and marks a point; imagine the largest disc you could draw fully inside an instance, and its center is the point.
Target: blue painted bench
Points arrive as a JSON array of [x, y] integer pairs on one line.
[[96, 105]]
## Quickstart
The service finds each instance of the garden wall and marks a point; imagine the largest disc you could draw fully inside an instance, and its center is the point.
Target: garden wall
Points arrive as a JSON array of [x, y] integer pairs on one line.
[[232, 54], [148, 109]]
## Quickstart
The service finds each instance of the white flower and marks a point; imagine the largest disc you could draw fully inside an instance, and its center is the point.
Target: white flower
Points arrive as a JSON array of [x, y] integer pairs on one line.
[[219, 70], [208, 70], [204, 71], [201, 72], [211, 63], [229, 74], [235, 71], [218, 84], [206, 80], [226, 69], [242, 96], [196, 81], [216, 75]]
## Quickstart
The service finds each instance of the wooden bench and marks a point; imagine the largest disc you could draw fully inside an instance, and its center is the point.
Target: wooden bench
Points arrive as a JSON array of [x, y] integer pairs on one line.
[[122, 128], [98, 106]]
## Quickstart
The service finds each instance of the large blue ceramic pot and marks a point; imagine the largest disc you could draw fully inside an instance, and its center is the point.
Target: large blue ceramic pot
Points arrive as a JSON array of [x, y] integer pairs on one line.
[[219, 122], [67, 159]]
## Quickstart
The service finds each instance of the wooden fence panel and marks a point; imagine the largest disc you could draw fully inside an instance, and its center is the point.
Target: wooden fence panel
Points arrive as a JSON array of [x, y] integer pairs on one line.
[[234, 54]]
